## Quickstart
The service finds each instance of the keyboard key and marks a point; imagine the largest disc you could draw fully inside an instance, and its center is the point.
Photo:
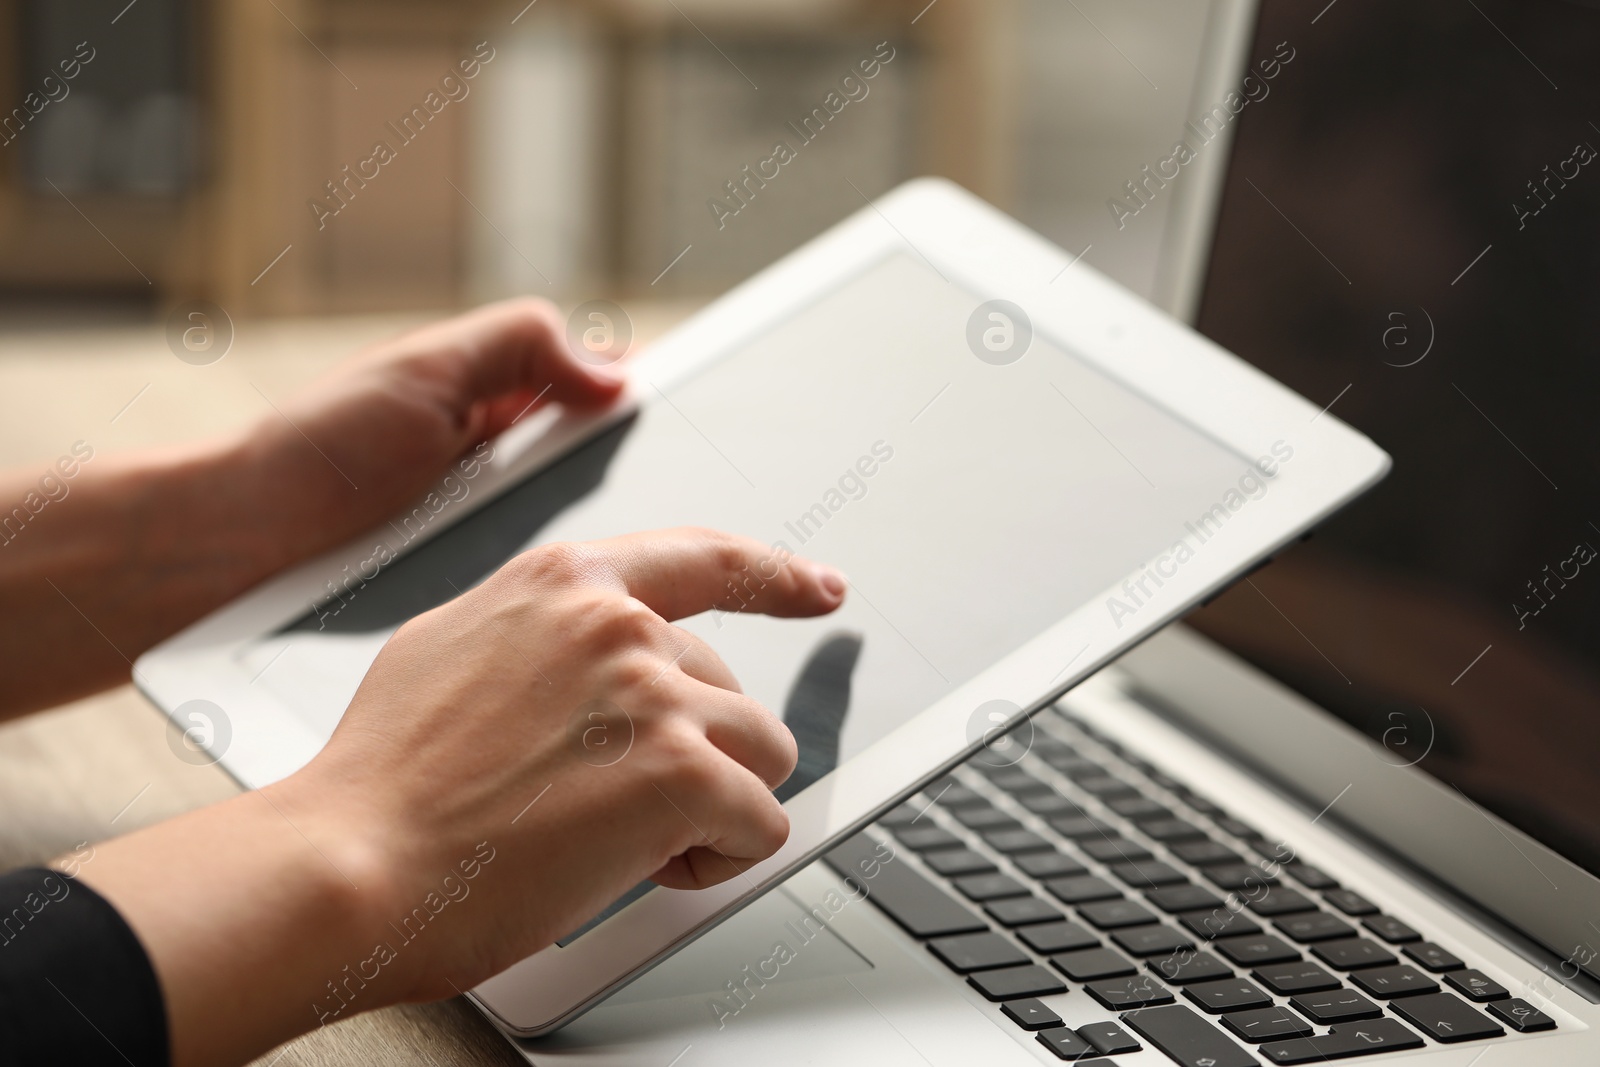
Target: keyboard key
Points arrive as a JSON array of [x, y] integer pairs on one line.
[[956, 796], [1091, 964], [1145, 941], [1187, 1037], [1075, 766], [1276, 852], [1334, 1006], [1229, 994], [1109, 1039], [982, 887], [922, 837], [1281, 901], [1030, 1014], [1350, 902], [1205, 853], [1008, 842], [1051, 938], [1180, 898], [1022, 911], [1266, 1024], [1114, 849], [1085, 771], [1311, 877], [1521, 1016], [1082, 889], [1390, 929], [1201, 804], [1174, 829], [1017, 780], [1048, 865], [1433, 957], [1125, 994], [1010, 983], [1238, 876], [1257, 950], [1241, 830], [1079, 827], [977, 952], [1138, 808], [1389, 982], [1105, 786], [1218, 922], [1446, 1018], [1352, 953], [1049, 804], [1352, 1039], [1287, 979], [951, 862], [1476, 986], [1186, 968], [1165, 781], [1065, 1043], [987, 818], [1044, 744], [900, 815], [1115, 914], [1315, 926], [917, 905], [1148, 874]]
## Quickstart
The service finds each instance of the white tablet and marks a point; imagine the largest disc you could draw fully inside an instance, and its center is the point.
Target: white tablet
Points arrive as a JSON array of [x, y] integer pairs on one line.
[[1022, 468]]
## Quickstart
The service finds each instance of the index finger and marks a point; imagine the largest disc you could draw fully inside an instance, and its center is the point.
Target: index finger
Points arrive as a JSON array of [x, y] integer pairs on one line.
[[684, 571]]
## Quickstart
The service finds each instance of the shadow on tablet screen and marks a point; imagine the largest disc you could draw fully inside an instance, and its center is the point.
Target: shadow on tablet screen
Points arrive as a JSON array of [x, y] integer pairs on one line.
[[474, 548]]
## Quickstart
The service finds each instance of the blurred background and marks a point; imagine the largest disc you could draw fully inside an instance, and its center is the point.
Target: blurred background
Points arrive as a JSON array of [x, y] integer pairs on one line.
[[186, 158], [166, 158]]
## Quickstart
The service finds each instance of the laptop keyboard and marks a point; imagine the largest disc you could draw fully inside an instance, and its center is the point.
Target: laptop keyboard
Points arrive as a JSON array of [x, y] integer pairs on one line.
[[1081, 866]]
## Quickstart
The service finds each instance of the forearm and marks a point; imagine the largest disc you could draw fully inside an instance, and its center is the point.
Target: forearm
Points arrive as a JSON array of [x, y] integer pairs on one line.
[[98, 567], [257, 917]]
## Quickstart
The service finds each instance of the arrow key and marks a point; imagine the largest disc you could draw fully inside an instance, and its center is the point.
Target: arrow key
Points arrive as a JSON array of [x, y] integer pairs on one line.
[[1349, 1039], [1446, 1018]]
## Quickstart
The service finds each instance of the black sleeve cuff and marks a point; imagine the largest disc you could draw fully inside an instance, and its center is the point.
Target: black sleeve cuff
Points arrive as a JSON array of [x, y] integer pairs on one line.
[[75, 983]]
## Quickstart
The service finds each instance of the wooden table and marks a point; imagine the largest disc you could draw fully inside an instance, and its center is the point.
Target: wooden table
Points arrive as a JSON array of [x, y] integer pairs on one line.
[[100, 767]]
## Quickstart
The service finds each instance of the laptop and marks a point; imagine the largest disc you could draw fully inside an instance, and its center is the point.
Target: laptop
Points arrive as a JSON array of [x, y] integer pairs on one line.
[[1348, 809]]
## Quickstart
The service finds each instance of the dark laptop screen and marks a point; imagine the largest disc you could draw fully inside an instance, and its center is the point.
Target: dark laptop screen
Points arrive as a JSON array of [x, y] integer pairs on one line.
[[1410, 232]]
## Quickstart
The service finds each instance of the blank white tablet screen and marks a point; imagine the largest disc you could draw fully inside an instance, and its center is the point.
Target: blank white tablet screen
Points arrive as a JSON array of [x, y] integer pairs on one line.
[[972, 504]]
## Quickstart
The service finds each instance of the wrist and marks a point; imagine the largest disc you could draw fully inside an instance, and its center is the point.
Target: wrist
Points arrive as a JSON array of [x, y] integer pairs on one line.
[[256, 915], [353, 884]]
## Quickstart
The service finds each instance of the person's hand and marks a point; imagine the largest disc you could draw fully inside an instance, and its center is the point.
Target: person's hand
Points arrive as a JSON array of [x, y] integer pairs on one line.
[[356, 446], [134, 547], [464, 813], [561, 683]]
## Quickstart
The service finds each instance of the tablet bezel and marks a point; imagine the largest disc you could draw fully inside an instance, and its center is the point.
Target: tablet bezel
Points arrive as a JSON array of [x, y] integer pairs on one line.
[[979, 249]]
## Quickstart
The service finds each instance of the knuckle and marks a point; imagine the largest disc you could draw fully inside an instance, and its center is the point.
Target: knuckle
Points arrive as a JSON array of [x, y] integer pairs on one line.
[[621, 622], [685, 762], [726, 550], [562, 563], [630, 673]]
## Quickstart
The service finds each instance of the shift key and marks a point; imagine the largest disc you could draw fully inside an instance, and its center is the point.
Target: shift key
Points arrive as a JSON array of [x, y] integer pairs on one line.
[[921, 908], [1187, 1037]]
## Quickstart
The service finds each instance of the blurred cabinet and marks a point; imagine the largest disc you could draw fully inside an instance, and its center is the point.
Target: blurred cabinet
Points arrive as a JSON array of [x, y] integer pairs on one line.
[[311, 156]]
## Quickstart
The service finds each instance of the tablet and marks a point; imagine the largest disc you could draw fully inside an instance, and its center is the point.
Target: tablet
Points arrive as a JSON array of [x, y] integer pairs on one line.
[[1022, 468]]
